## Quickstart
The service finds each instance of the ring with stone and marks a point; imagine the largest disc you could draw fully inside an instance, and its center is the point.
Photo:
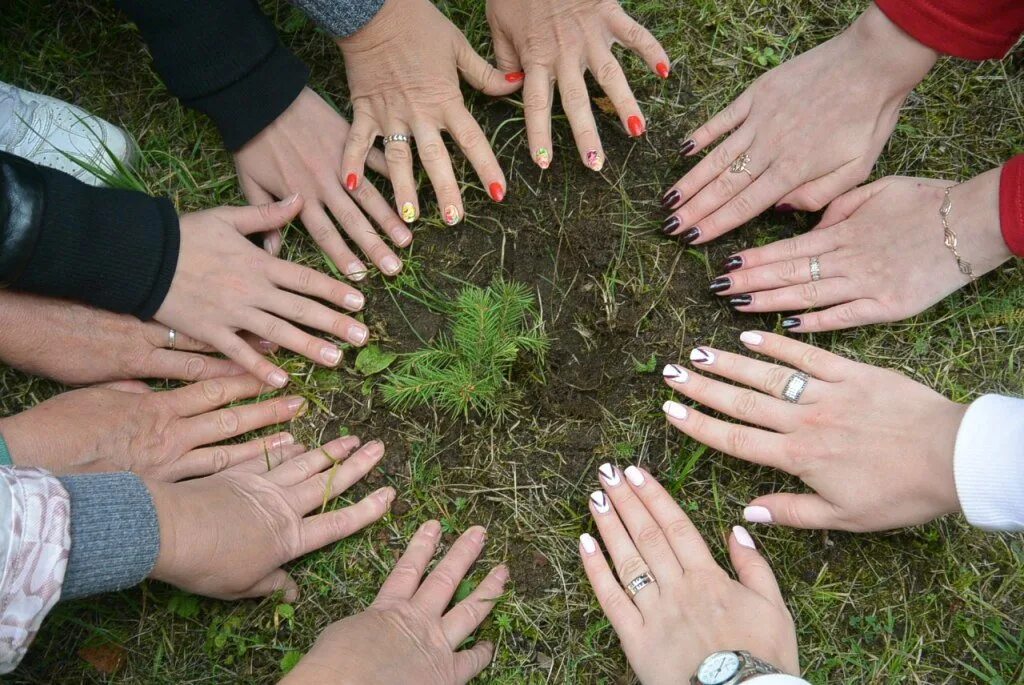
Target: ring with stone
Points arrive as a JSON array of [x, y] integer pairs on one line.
[[634, 586], [795, 387], [396, 138], [815, 269]]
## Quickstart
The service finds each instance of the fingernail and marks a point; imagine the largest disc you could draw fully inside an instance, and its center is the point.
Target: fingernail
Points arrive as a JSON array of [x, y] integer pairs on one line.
[[356, 270], [497, 192], [479, 536], [719, 284], [352, 182], [740, 300], [266, 345], [401, 235], [743, 537], [390, 265], [600, 500], [501, 574], [690, 235], [702, 355], [670, 200], [662, 69], [543, 157], [515, 76], [408, 213], [674, 409], [751, 338], [281, 441], [636, 126], [791, 322], [595, 160], [588, 543], [278, 379], [670, 224], [354, 301], [609, 474], [289, 200], [687, 147], [675, 373], [757, 515], [452, 215], [358, 334], [635, 475], [785, 208], [331, 355], [732, 263], [385, 495], [295, 403], [268, 245], [431, 528]]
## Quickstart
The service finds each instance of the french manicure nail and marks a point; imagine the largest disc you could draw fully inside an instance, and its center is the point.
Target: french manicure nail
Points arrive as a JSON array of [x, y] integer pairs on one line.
[[687, 147], [601, 503], [740, 300], [743, 537], [675, 373], [354, 301], [757, 515], [690, 235], [595, 160], [636, 126], [751, 338], [390, 265], [662, 69], [674, 409], [670, 224], [635, 475], [331, 355], [609, 474], [732, 263], [791, 322], [278, 379], [352, 182], [542, 157], [452, 215], [702, 355], [588, 543], [408, 212], [515, 76], [719, 284], [670, 200], [497, 191], [357, 334]]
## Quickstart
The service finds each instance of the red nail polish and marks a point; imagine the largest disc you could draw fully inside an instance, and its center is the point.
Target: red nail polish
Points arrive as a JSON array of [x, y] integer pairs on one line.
[[497, 192], [636, 126], [662, 69], [352, 182], [515, 77]]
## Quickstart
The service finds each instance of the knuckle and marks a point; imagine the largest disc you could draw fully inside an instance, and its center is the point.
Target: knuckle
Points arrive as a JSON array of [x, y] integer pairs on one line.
[[635, 34], [575, 94], [810, 358], [195, 367], [789, 270], [322, 232], [220, 459], [607, 72], [736, 440], [649, 534], [809, 293], [723, 185], [445, 579], [271, 330], [227, 421], [745, 404], [614, 601], [630, 568], [305, 279], [469, 137], [741, 206], [431, 152], [680, 529], [299, 310], [775, 380], [787, 171], [536, 101], [397, 154], [214, 392], [722, 156]]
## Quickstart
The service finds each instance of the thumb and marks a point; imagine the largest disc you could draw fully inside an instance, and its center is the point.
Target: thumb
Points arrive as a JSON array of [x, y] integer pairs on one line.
[[845, 205], [275, 581], [469, 663], [796, 511], [265, 217], [814, 195], [751, 568], [479, 73]]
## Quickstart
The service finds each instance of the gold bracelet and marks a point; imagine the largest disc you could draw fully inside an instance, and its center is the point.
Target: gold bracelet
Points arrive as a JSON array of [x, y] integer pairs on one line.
[[950, 237]]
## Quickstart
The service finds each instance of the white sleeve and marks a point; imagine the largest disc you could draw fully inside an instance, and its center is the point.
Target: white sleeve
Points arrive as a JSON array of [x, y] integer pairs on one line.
[[779, 679], [988, 463]]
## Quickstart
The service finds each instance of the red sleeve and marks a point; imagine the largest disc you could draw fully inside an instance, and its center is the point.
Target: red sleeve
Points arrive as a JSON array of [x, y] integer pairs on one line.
[[1011, 204], [972, 29]]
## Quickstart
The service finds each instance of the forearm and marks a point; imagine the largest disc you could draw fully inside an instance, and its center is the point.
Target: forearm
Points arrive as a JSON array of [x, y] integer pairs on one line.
[[340, 18], [897, 54]]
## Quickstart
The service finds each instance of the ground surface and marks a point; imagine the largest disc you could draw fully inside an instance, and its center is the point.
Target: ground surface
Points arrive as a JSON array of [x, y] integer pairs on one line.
[[935, 604]]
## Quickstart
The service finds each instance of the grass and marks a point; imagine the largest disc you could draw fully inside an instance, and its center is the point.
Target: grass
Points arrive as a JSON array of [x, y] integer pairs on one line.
[[935, 604]]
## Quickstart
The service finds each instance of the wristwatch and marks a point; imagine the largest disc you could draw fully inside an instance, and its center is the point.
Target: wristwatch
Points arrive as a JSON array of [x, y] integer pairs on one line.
[[730, 668]]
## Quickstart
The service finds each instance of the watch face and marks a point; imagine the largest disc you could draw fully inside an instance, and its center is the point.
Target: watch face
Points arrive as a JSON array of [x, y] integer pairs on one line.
[[718, 668]]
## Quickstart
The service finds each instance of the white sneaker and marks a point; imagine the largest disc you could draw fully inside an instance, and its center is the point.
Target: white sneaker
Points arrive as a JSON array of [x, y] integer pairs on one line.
[[56, 134]]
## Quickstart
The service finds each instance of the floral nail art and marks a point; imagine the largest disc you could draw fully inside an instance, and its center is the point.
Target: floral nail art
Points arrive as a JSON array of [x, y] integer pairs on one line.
[[408, 213], [452, 215], [601, 503], [595, 160], [543, 157], [609, 474]]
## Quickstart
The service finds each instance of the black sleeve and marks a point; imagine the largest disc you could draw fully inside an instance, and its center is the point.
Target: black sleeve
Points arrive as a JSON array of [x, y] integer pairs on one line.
[[223, 58], [113, 249]]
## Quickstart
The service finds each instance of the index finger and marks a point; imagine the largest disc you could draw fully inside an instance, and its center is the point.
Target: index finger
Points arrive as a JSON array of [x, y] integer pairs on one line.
[[438, 589]]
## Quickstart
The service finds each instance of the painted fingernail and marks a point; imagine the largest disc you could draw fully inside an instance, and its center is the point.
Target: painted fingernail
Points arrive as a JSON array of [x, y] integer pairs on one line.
[[636, 126], [751, 338], [331, 355], [791, 322], [688, 147], [674, 409], [743, 537], [740, 300], [732, 263], [662, 69], [356, 270], [281, 441], [670, 200], [515, 76], [635, 475], [295, 403], [542, 157], [588, 543], [702, 355], [675, 373], [452, 215], [757, 515], [609, 474], [390, 265], [352, 182], [595, 160], [601, 503], [497, 192], [690, 235], [408, 213], [719, 284], [357, 334], [785, 208], [670, 224], [354, 301], [278, 379]]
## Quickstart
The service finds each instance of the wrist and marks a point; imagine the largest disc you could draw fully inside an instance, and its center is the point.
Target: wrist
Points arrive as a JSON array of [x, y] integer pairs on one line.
[[168, 521], [895, 54], [977, 223], [384, 27], [944, 426]]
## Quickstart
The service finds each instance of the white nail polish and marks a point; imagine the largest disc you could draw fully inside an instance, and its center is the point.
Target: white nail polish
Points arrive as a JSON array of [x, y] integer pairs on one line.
[[674, 409], [609, 474], [601, 503], [743, 537], [702, 355], [588, 542], [757, 514], [635, 475], [751, 338], [675, 373]]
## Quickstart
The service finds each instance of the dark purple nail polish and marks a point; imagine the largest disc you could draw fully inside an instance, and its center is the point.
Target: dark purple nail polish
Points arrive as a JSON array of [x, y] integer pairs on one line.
[[785, 208], [670, 224], [740, 300], [719, 284], [732, 263], [687, 147], [791, 322], [690, 235], [670, 201]]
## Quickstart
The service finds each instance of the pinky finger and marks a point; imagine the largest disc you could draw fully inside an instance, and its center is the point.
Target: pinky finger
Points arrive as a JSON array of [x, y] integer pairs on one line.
[[469, 663], [237, 350], [276, 581], [751, 567], [622, 613], [638, 39], [323, 529], [743, 442], [717, 126], [849, 315], [203, 462]]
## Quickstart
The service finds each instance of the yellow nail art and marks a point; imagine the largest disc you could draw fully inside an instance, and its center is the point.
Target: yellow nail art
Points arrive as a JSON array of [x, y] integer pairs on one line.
[[543, 158], [408, 213], [451, 215], [595, 160]]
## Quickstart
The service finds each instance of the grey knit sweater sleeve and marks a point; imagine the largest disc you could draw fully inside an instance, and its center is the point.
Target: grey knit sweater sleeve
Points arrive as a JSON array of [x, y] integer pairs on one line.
[[340, 17], [115, 537]]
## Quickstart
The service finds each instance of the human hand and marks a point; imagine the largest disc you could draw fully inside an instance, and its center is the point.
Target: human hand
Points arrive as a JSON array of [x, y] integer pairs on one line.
[[300, 152], [694, 608], [808, 129], [227, 535], [160, 435], [403, 75], [874, 446], [406, 636], [880, 252], [559, 40], [79, 345], [224, 284]]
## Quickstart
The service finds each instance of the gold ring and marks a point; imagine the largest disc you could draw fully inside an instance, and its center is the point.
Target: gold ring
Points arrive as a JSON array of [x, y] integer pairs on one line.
[[739, 165]]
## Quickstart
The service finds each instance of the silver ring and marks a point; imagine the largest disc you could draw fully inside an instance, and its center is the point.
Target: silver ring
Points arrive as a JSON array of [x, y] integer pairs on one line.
[[815, 269], [396, 138], [172, 338], [639, 583], [795, 387]]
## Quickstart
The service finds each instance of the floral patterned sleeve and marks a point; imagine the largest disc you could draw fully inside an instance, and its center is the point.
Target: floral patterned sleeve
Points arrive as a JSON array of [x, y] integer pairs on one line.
[[35, 541]]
